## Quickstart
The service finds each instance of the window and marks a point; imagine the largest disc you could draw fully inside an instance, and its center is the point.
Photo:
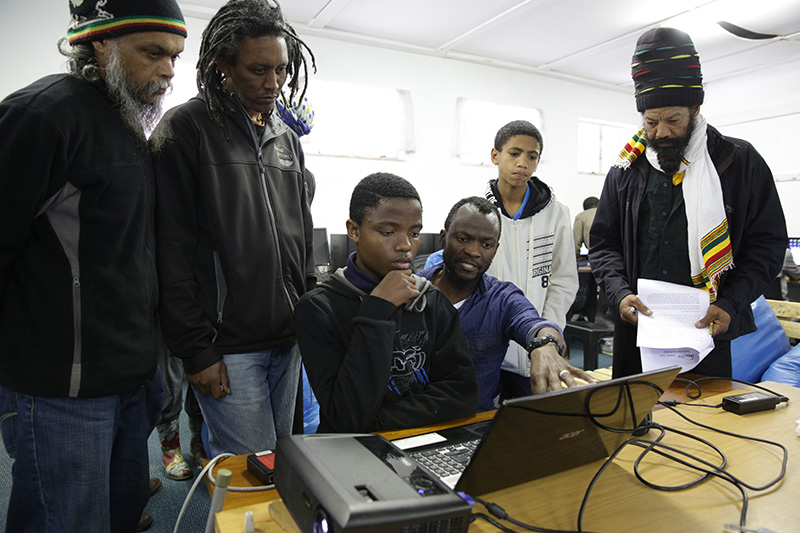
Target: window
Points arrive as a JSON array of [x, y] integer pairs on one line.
[[357, 121], [477, 123], [599, 144]]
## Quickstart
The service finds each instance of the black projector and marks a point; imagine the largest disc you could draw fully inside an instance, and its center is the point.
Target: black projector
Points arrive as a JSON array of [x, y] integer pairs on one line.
[[362, 483]]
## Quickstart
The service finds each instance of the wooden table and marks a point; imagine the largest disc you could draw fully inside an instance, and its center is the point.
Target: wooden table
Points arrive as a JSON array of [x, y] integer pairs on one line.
[[619, 502]]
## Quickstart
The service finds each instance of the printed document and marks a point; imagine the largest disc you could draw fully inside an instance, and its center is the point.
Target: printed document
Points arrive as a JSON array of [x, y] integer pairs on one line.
[[668, 336]]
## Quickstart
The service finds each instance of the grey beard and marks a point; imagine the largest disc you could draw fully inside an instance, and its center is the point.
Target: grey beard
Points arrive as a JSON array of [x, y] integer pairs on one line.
[[159, 136], [139, 116]]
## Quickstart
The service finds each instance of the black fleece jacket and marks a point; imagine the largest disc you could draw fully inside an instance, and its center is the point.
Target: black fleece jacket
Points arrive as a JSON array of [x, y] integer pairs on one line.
[[234, 234], [78, 290]]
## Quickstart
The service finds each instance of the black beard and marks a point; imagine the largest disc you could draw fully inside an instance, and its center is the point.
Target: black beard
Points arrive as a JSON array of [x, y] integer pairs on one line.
[[459, 281], [670, 157]]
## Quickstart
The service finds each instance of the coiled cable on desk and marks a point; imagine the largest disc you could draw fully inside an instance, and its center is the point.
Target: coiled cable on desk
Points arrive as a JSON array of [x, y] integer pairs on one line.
[[706, 469]]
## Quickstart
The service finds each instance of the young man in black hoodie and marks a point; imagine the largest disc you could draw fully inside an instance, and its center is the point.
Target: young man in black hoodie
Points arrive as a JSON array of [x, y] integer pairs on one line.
[[382, 347]]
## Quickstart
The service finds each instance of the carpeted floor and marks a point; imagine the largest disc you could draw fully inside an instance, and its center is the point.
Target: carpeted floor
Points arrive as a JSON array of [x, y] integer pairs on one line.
[[165, 506]]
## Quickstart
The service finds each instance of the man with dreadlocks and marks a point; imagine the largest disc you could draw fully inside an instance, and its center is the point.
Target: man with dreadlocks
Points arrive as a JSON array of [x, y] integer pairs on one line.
[[687, 205], [234, 228], [79, 333]]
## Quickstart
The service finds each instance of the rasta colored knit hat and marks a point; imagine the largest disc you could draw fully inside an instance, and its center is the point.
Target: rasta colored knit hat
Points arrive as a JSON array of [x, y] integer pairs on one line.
[[666, 70], [93, 20]]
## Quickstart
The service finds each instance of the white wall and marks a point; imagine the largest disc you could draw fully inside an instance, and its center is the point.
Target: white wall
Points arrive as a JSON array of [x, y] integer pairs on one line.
[[434, 84]]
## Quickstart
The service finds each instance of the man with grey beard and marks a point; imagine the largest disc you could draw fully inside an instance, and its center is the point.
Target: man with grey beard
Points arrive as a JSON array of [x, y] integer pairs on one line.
[[78, 292], [139, 106], [686, 205]]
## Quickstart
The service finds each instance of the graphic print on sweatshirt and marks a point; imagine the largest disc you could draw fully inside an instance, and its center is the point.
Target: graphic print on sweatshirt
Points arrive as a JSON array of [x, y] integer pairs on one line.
[[408, 362], [542, 258]]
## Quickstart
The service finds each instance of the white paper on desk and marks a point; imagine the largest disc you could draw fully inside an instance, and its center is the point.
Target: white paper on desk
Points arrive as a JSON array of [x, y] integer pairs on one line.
[[668, 337]]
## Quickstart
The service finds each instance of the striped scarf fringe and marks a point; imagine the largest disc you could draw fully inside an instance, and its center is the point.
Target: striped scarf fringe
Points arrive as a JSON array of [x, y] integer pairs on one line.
[[717, 258], [633, 149]]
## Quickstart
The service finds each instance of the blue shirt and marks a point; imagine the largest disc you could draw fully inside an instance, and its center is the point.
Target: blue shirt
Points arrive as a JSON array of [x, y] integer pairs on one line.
[[434, 259], [496, 313]]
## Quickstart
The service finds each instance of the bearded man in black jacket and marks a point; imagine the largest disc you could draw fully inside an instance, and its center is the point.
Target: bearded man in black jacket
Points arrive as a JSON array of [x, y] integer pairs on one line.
[[78, 293], [687, 205]]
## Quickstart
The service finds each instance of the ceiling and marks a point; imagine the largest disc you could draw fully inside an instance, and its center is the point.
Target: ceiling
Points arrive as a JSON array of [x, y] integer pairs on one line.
[[583, 40]]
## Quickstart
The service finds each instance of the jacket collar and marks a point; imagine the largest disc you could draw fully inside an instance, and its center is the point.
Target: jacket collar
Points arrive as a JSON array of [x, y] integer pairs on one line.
[[541, 196]]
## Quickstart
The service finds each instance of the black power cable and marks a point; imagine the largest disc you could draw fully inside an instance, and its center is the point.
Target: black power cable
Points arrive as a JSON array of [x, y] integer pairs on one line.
[[706, 469]]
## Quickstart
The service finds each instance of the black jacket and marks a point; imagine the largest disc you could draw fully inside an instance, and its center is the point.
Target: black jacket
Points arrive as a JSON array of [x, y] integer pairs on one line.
[[234, 234], [755, 222], [375, 366], [78, 290]]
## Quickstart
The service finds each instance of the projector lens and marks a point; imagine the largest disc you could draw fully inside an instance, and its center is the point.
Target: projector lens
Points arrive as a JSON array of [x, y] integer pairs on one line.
[[320, 522]]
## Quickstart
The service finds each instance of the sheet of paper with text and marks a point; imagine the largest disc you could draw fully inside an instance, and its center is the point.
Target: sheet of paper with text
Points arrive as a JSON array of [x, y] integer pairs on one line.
[[668, 336]]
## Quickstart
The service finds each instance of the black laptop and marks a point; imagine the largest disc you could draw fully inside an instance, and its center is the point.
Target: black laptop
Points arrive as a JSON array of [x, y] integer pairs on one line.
[[540, 435]]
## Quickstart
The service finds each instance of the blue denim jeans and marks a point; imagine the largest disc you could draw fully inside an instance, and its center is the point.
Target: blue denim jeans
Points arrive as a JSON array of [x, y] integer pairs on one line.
[[80, 464], [260, 407]]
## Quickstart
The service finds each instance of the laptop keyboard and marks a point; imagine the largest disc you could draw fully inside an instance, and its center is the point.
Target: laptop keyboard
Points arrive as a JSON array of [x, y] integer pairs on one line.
[[447, 462]]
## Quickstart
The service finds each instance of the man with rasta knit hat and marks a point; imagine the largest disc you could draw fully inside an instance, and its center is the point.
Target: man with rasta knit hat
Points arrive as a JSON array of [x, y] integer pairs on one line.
[[79, 333], [684, 204]]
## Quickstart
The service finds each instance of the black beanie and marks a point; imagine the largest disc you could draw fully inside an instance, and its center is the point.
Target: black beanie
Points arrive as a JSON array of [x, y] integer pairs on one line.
[[666, 70], [93, 20]]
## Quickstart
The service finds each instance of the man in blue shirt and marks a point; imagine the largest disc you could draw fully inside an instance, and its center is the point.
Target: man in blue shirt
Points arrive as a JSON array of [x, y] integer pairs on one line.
[[493, 312]]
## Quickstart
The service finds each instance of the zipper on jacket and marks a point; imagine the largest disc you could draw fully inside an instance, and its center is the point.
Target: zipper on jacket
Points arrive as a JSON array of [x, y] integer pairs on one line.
[[75, 373], [222, 286], [273, 221], [258, 144]]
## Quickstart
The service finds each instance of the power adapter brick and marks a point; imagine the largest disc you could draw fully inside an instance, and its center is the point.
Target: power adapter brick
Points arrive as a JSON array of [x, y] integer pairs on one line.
[[750, 402]]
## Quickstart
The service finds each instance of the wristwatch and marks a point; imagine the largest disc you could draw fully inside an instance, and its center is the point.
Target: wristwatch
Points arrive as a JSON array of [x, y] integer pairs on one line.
[[538, 342]]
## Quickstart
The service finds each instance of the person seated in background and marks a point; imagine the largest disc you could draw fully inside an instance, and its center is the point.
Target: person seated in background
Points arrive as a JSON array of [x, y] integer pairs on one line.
[[790, 270], [493, 312], [584, 307], [382, 347], [583, 223], [779, 288]]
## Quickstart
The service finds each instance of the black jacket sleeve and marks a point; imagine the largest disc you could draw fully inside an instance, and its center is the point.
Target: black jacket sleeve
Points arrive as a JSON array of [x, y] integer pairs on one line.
[[25, 182], [190, 335], [607, 251], [758, 229]]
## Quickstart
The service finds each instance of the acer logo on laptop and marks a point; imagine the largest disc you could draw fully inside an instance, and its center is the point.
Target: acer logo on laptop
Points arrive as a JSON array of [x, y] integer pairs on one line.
[[570, 435]]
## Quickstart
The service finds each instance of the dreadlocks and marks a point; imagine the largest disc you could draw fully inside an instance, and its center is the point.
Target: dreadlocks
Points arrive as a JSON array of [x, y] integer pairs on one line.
[[224, 33]]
